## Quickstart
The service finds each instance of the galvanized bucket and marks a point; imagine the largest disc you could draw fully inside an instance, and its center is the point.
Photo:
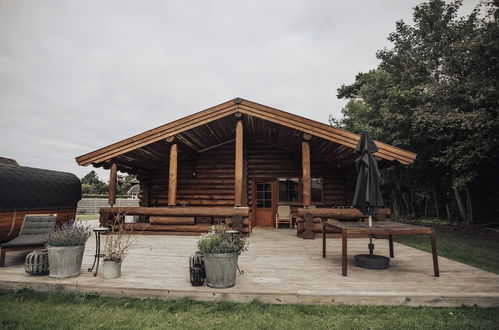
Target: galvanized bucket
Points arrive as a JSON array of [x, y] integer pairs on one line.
[[65, 261], [221, 269], [112, 269]]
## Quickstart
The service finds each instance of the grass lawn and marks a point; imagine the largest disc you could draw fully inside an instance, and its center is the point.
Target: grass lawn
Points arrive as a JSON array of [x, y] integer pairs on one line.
[[25, 309], [472, 249], [86, 217]]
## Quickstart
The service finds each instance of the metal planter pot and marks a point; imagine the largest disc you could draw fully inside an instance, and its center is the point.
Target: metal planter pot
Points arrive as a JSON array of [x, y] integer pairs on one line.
[[112, 269], [221, 269], [65, 261]]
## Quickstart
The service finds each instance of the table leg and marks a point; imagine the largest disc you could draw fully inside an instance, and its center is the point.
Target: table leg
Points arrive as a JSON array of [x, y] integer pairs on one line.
[[344, 252], [323, 240], [96, 252], [390, 244], [434, 253]]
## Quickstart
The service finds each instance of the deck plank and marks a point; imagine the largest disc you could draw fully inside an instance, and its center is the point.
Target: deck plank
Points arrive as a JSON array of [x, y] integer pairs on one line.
[[279, 268]]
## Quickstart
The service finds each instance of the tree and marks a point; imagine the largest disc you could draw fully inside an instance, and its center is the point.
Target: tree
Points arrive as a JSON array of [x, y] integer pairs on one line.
[[435, 92], [91, 184], [125, 182], [91, 178]]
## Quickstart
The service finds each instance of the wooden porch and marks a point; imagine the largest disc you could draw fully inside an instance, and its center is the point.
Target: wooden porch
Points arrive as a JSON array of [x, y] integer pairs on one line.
[[280, 269]]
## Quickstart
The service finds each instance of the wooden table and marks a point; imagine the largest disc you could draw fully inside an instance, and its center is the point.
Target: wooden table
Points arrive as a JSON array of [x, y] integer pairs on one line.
[[389, 228]]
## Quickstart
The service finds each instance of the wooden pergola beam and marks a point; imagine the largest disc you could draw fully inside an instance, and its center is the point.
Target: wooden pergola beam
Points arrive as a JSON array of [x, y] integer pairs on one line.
[[113, 180], [238, 190], [172, 176], [306, 176]]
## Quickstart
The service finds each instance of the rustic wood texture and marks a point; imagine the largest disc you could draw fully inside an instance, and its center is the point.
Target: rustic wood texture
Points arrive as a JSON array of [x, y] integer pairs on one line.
[[238, 190], [207, 180], [389, 228], [172, 220], [113, 181], [157, 267], [178, 211], [11, 222], [306, 175], [344, 214], [172, 177], [137, 153]]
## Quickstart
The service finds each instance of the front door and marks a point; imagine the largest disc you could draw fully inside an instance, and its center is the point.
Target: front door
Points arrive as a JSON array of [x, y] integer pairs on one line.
[[264, 212]]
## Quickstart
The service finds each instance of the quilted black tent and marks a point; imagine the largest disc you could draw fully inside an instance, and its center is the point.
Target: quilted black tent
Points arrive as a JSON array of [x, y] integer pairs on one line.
[[28, 188]]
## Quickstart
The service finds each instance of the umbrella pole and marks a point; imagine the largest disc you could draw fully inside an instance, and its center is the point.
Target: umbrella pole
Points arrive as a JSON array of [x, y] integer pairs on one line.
[[371, 245]]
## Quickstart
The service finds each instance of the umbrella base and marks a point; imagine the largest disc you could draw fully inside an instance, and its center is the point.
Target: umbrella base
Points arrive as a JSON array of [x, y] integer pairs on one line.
[[374, 262]]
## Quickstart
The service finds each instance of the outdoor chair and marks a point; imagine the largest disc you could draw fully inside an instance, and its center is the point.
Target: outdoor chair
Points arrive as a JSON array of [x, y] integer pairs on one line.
[[31, 236], [283, 215]]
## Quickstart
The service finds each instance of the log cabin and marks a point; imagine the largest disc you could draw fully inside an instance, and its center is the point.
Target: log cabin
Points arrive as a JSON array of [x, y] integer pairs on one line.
[[236, 160], [30, 191]]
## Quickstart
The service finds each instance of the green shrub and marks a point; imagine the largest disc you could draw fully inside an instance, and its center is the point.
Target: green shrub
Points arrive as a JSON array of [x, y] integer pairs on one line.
[[219, 241]]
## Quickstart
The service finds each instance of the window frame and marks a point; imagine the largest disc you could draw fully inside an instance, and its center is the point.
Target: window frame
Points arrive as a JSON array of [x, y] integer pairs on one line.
[[300, 191]]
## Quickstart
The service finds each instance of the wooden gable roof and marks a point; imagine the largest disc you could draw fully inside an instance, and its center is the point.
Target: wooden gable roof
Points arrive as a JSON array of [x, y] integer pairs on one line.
[[214, 126]]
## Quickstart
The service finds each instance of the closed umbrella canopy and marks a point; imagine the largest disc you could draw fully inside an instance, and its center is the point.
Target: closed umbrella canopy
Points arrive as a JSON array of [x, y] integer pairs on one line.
[[367, 197]]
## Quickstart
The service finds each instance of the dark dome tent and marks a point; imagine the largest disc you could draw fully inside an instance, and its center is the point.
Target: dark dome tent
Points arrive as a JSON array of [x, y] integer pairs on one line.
[[27, 190]]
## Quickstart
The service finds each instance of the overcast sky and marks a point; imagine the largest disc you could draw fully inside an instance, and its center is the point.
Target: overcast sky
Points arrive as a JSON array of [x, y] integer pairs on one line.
[[79, 75]]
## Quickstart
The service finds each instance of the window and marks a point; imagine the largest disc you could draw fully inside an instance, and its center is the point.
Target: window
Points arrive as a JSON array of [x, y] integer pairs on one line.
[[317, 190], [264, 195], [290, 190]]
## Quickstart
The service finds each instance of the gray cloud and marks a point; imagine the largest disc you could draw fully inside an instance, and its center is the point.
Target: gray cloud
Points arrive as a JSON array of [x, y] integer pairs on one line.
[[79, 75]]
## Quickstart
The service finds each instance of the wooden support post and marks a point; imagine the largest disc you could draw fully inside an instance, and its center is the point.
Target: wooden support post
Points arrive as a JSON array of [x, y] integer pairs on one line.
[[238, 191], [113, 180], [307, 180], [172, 177]]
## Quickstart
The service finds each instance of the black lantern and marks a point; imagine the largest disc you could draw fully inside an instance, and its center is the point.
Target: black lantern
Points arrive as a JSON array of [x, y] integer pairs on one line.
[[196, 269]]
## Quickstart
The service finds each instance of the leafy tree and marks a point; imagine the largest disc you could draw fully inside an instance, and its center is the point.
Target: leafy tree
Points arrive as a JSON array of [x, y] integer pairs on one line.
[[91, 178], [91, 184], [436, 93], [125, 182]]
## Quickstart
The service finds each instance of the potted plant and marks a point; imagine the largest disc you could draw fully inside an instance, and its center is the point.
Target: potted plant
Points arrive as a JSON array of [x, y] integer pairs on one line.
[[65, 246], [221, 250], [118, 243]]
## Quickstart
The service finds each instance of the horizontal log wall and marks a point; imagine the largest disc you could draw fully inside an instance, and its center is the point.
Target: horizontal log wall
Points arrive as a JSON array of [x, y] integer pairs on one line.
[[213, 184], [6, 219], [265, 161], [186, 220]]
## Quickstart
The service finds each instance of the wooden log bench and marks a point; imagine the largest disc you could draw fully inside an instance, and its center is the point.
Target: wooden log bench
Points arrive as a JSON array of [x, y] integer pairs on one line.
[[177, 220]]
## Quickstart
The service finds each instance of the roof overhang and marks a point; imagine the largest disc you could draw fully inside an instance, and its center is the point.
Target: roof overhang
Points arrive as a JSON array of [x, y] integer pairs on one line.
[[191, 130]]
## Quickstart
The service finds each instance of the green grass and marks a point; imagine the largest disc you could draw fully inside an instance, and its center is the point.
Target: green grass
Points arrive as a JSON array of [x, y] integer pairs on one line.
[[86, 217], [25, 309], [472, 249]]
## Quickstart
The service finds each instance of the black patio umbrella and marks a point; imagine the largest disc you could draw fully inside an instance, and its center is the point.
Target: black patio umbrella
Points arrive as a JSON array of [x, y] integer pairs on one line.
[[367, 196]]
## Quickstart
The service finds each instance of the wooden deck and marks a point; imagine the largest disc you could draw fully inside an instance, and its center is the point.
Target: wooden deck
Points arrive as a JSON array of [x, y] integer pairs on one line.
[[280, 268]]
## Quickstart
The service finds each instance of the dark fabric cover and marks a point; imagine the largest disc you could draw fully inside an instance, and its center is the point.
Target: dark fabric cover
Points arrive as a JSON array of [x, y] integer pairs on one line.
[[38, 225], [367, 197], [27, 188], [27, 240], [33, 231]]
